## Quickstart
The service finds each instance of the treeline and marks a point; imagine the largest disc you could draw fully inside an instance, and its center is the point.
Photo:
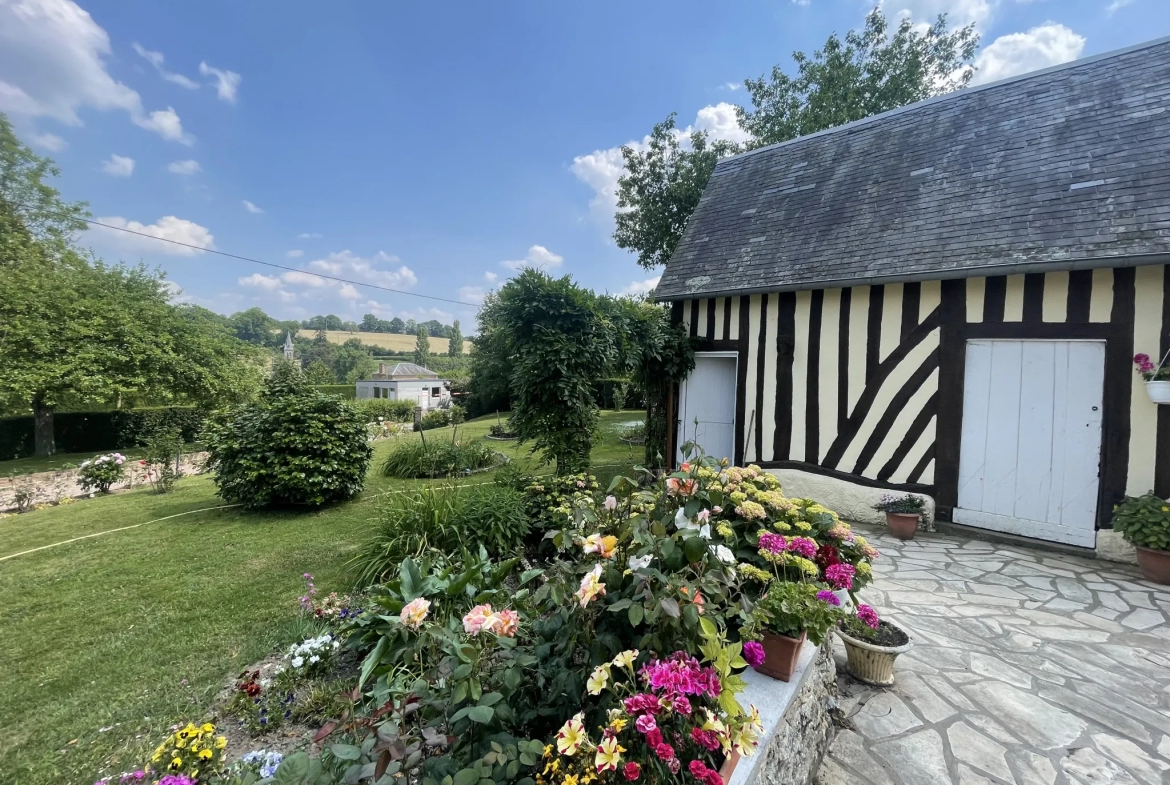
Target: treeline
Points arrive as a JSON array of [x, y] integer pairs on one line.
[[372, 324]]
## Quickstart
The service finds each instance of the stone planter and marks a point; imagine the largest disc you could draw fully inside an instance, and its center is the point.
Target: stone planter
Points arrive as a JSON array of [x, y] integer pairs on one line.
[[1154, 565], [780, 654], [869, 662], [1158, 391], [903, 525]]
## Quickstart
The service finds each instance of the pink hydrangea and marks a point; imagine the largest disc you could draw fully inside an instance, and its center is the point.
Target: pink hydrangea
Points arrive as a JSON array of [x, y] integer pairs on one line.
[[867, 616], [840, 576], [753, 653], [802, 546], [772, 542]]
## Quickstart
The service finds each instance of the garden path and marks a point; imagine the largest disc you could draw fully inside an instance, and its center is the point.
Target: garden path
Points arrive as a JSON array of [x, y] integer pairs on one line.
[[1027, 667]]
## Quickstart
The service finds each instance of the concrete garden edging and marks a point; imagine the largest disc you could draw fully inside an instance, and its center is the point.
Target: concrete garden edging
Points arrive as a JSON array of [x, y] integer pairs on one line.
[[795, 715]]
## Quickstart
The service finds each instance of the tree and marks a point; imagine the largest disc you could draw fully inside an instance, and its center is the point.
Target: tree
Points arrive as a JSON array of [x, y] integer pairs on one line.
[[36, 205], [422, 347], [843, 81], [333, 322], [369, 323], [397, 326], [661, 188], [254, 326], [318, 373], [455, 342], [866, 74]]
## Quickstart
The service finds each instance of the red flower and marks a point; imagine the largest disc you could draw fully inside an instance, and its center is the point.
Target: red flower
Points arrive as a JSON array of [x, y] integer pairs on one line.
[[707, 739], [664, 751], [632, 771], [827, 556], [654, 738]]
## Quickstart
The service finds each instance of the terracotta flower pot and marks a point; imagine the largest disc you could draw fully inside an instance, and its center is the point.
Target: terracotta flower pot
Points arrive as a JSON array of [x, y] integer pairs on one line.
[[869, 662], [1154, 565], [728, 767], [903, 525], [780, 655]]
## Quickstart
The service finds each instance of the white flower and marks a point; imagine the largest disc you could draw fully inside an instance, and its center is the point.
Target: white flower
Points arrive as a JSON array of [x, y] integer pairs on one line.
[[703, 515], [640, 562], [724, 554], [682, 522], [610, 503], [314, 659], [705, 531], [298, 662]]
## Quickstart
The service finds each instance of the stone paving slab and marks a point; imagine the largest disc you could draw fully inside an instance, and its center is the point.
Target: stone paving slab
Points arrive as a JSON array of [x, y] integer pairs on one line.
[[1027, 668]]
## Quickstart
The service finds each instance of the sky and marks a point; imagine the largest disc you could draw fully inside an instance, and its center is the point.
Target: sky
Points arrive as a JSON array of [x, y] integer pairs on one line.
[[429, 147]]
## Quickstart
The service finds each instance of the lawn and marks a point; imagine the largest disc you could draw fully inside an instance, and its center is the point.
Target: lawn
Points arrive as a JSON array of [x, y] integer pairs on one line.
[[110, 640]]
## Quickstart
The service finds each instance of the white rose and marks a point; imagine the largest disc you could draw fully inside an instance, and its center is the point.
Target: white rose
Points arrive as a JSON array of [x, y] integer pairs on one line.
[[724, 554], [640, 562]]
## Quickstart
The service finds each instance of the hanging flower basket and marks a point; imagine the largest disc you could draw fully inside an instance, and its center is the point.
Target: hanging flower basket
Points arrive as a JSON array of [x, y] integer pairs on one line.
[[1159, 391], [1157, 377]]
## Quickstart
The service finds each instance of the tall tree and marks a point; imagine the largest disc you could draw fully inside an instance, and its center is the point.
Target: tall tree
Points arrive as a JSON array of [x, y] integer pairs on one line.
[[396, 326], [254, 326], [455, 342], [422, 347], [369, 323], [843, 81], [318, 373]]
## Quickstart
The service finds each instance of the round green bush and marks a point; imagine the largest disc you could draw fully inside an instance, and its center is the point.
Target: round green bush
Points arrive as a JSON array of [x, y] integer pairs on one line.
[[1144, 521], [293, 447]]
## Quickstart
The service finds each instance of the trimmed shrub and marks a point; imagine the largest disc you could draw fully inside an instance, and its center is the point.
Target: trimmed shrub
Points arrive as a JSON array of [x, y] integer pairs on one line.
[[441, 418], [415, 460], [98, 431], [450, 520], [296, 448], [347, 391], [392, 410]]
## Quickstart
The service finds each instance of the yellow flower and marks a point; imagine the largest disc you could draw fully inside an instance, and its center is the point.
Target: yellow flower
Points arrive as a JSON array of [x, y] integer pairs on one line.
[[176, 764], [220, 742], [570, 779], [548, 748], [597, 680], [571, 736], [206, 754], [626, 658], [618, 724], [609, 754], [180, 743], [207, 727]]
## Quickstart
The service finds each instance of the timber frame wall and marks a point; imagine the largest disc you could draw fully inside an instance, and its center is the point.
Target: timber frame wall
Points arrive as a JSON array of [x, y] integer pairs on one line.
[[866, 383]]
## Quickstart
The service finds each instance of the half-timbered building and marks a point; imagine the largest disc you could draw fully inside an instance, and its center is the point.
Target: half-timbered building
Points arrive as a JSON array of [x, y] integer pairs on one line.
[[946, 299]]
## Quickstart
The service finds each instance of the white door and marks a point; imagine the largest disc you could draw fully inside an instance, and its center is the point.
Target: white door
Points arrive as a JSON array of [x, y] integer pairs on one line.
[[707, 405], [1031, 449]]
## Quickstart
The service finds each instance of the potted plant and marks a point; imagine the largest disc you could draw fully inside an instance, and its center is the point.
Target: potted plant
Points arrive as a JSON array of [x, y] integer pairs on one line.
[[1157, 377], [1144, 521], [872, 645], [902, 513], [783, 618]]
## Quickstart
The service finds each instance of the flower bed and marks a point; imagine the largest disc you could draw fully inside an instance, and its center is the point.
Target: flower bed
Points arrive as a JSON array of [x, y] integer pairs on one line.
[[616, 647]]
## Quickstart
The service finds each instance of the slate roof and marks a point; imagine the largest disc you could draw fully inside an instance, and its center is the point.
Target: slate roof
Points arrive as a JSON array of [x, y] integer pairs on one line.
[[1058, 169], [405, 371]]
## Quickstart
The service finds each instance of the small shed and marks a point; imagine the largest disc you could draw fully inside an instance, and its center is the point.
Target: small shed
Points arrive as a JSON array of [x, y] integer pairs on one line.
[[406, 382], [946, 299]]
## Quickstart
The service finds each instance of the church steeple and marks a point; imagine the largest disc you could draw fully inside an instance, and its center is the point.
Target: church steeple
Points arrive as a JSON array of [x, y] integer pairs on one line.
[[288, 345]]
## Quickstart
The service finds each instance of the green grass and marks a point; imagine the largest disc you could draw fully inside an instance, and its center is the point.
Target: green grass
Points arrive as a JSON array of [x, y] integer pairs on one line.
[[110, 640]]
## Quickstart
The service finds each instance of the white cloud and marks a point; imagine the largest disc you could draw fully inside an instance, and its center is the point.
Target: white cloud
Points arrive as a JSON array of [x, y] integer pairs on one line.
[[602, 169], [168, 228], [298, 278], [538, 256], [491, 277], [309, 236], [472, 294], [732, 86], [251, 207], [175, 293], [183, 167], [266, 282], [226, 82], [1116, 6], [166, 123], [50, 142], [118, 166], [347, 264], [801, 2], [959, 12], [296, 254], [156, 59], [52, 57], [640, 288], [349, 292], [1018, 53]]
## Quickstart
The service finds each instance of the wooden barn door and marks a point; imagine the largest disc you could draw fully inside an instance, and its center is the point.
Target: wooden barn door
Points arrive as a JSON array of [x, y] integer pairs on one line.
[[1031, 444], [707, 405]]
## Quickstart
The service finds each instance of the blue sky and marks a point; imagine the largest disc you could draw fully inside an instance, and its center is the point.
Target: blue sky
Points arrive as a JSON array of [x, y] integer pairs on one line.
[[423, 146]]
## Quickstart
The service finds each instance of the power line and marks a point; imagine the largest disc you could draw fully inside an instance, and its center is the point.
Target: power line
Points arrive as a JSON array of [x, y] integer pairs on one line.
[[270, 264]]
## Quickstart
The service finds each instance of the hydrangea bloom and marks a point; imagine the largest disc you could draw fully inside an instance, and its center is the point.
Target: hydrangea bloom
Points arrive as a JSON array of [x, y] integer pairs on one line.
[[772, 543], [803, 546], [840, 576]]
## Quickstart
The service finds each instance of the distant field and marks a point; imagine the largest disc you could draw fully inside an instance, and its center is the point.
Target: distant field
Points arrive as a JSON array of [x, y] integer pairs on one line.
[[395, 343]]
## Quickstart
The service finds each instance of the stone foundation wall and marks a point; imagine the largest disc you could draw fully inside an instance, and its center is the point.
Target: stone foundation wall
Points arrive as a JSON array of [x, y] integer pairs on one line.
[[51, 487], [797, 724], [849, 500]]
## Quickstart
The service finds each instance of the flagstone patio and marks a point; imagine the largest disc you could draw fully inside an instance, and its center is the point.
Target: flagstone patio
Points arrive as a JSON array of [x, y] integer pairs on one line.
[[1026, 667]]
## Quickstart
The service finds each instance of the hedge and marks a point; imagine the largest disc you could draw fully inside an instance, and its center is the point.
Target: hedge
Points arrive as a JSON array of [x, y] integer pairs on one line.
[[347, 391], [97, 431]]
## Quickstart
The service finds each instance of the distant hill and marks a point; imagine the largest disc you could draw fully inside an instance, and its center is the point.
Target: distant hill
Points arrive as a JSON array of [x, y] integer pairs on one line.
[[391, 341]]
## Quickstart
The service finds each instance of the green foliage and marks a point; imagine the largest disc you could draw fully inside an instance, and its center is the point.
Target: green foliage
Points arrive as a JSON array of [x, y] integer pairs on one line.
[[869, 73], [901, 503], [422, 347], [557, 343], [319, 373], [455, 342], [448, 521], [101, 472], [438, 459], [1144, 521], [162, 458], [109, 430], [790, 608], [441, 418], [660, 189], [393, 410], [347, 391], [292, 447]]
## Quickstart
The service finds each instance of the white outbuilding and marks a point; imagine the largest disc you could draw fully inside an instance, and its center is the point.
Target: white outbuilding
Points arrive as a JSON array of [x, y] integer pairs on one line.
[[406, 381]]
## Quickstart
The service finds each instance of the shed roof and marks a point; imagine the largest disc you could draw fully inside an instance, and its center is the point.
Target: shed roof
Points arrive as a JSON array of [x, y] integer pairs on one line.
[[405, 371], [1063, 168]]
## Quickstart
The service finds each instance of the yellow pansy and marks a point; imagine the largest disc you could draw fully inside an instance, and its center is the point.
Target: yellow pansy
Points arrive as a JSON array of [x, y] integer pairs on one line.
[[220, 742], [206, 754]]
